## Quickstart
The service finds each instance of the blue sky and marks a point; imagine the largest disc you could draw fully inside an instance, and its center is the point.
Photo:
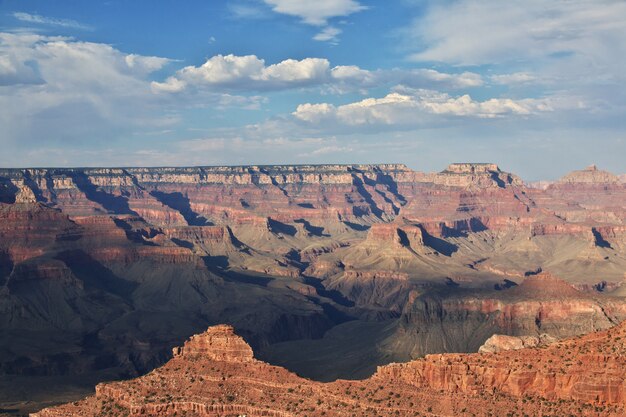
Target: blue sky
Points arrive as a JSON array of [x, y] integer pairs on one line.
[[538, 87]]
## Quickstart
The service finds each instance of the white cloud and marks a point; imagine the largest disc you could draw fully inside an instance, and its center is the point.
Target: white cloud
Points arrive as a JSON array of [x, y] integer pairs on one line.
[[317, 12], [245, 73], [145, 64], [43, 20], [290, 70], [55, 88], [326, 150], [329, 33], [246, 11], [513, 78], [469, 32], [561, 47], [225, 69], [346, 72], [428, 78], [414, 107]]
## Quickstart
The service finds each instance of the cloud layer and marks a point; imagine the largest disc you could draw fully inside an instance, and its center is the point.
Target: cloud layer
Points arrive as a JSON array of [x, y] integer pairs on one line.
[[469, 32], [414, 108], [67, 88], [43, 20], [246, 73]]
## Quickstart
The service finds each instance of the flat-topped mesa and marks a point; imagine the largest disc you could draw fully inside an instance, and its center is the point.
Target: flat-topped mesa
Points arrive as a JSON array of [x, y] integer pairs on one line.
[[482, 175], [589, 175], [218, 343], [43, 178], [395, 235], [472, 168]]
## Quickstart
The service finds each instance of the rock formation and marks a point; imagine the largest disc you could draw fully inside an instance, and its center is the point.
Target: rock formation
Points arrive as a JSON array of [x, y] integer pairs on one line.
[[499, 342], [214, 374]]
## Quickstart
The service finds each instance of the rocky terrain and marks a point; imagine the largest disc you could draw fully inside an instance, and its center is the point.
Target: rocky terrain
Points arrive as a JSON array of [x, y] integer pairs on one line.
[[326, 270], [216, 374]]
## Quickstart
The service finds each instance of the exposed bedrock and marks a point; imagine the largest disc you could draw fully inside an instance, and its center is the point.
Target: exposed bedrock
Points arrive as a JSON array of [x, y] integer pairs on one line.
[[215, 373]]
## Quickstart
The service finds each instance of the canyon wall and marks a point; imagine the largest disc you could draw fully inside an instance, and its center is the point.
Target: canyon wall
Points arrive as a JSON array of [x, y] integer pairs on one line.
[[108, 269]]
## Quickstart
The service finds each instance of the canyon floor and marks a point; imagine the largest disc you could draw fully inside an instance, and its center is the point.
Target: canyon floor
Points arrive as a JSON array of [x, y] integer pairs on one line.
[[329, 271]]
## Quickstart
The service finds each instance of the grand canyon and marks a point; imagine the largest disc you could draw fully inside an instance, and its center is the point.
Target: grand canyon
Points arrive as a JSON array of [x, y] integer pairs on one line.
[[310, 290]]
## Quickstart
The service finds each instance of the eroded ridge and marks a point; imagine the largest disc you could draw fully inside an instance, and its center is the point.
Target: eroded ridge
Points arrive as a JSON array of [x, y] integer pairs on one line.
[[214, 374]]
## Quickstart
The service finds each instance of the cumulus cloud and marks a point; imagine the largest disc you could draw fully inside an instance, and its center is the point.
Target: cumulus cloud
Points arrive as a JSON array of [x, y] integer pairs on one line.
[[246, 73], [43, 20], [56, 88], [231, 72], [317, 12], [412, 107]]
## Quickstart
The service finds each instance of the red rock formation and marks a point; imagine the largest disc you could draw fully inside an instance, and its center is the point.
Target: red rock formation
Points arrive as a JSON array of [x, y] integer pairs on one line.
[[217, 344], [589, 369], [395, 235], [214, 374]]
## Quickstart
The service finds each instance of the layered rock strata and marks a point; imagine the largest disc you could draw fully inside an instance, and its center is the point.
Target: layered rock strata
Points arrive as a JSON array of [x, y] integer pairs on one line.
[[214, 374]]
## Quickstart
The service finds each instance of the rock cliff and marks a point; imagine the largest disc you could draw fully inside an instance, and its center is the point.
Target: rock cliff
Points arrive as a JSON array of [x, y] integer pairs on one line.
[[582, 376]]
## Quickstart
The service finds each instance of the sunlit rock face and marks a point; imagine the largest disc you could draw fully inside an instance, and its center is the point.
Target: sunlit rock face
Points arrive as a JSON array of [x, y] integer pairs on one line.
[[215, 374]]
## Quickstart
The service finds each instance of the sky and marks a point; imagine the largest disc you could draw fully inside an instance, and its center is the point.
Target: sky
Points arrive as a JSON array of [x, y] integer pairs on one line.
[[538, 87]]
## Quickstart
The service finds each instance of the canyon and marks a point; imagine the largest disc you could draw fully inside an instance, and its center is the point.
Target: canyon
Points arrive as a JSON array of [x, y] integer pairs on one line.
[[330, 271]]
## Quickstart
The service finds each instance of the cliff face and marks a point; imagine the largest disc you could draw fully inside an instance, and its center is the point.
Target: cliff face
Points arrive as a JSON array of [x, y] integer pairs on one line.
[[215, 374], [586, 369], [113, 267]]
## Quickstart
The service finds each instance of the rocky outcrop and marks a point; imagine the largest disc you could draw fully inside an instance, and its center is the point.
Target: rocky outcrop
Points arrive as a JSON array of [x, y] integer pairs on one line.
[[475, 175], [589, 175], [395, 235], [219, 343], [583, 376], [585, 369], [500, 342]]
